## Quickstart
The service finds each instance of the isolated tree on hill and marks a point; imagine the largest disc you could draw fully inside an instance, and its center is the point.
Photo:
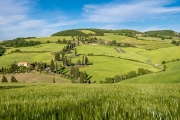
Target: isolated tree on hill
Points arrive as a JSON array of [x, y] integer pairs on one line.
[[13, 79], [4, 79], [163, 62], [164, 67], [52, 66]]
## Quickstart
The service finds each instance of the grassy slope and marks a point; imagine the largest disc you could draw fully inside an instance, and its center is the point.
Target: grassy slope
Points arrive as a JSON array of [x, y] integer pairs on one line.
[[163, 54], [171, 75], [43, 47], [109, 67], [30, 57], [150, 43], [7, 59], [153, 56]]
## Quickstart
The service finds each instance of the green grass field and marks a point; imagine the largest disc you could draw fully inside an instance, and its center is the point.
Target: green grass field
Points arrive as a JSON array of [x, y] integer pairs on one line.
[[8, 58], [171, 75], [163, 54], [148, 43], [89, 102], [104, 67], [27, 57], [53, 47], [152, 57]]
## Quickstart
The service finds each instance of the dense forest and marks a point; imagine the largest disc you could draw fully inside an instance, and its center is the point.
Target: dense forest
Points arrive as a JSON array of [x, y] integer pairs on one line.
[[164, 34], [167, 34], [20, 42], [97, 32]]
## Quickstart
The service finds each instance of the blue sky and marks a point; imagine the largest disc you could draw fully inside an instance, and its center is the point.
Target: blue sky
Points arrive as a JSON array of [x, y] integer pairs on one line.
[[23, 18]]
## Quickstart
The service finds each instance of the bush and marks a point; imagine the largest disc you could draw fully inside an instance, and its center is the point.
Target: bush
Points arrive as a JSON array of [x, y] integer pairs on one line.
[[13, 79], [163, 62], [4, 79]]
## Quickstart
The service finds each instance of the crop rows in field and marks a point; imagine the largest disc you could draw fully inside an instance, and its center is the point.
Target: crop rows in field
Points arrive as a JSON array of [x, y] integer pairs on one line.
[[116, 101]]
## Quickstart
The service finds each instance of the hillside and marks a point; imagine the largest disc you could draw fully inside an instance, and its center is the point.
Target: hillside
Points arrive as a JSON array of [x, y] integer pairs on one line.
[[95, 55], [171, 75]]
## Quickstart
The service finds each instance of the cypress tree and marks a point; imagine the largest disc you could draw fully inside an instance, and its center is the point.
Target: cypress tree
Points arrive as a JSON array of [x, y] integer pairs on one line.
[[58, 57], [52, 66], [4, 79], [56, 68], [81, 77], [75, 52], [60, 67], [86, 60], [85, 76], [76, 72], [83, 60], [55, 56], [79, 62]]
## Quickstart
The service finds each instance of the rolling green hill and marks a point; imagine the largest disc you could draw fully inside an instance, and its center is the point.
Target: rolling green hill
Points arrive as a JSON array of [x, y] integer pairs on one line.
[[104, 67], [107, 60], [171, 75]]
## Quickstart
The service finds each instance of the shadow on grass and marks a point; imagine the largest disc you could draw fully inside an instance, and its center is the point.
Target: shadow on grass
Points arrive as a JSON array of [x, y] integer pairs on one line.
[[10, 87]]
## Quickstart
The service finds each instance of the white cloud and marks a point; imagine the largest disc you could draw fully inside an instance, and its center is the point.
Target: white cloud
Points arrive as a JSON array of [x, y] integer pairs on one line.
[[16, 20], [119, 12]]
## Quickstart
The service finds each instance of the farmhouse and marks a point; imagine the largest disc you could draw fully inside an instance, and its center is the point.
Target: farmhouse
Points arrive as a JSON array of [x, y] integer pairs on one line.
[[138, 35], [23, 64]]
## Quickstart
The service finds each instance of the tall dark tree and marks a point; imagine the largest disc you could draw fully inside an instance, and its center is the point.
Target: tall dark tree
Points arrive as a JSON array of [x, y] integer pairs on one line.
[[56, 68], [60, 69], [76, 72], [13, 79], [65, 61], [164, 67], [86, 61], [81, 77], [75, 52], [4, 79], [85, 76], [57, 57], [83, 60], [52, 66]]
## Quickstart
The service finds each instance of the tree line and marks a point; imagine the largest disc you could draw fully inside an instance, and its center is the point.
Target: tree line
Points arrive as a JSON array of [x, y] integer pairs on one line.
[[19, 42], [131, 74], [164, 34]]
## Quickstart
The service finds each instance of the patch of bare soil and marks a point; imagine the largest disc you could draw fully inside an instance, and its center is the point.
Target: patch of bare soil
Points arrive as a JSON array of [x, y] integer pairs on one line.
[[36, 78]]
